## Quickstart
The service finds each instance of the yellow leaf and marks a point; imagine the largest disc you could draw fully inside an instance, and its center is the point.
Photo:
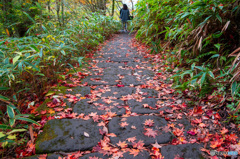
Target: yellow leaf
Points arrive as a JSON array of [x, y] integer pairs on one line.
[[2, 134], [49, 94], [51, 111], [7, 32], [11, 137], [4, 144]]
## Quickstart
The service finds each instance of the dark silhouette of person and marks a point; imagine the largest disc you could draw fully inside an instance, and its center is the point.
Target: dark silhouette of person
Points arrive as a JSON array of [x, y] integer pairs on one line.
[[124, 16]]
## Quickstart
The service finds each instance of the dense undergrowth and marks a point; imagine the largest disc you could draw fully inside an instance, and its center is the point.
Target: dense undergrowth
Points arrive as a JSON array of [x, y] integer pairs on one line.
[[31, 64], [201, 41]]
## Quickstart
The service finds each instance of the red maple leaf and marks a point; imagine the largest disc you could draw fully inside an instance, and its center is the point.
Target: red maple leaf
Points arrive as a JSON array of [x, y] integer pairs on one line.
[[217, 116], [197, 110], [156, 145], [131, 139], [224, 131], [216, 143], [43, 156], [149, 122], [120, 85], [150, 132], [134, 152], [58, 109], [43, 112], [178, 132], [122, 144], [93, 114], [111, 135], [197, 121], [75, 155], [139, 145], [96, 118], [123, 124], [191, 132], [102, 132], [231, 137], [30, 147], [101, 123]]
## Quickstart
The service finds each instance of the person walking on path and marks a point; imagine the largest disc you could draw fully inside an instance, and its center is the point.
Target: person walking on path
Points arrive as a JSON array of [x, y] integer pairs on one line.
[[124, 16]]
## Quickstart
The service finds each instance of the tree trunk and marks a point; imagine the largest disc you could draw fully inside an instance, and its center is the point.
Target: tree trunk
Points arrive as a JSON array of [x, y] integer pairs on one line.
[[113, 5], [62, 4], [48, 6], [132, 6], [58, 9], [7, 10]]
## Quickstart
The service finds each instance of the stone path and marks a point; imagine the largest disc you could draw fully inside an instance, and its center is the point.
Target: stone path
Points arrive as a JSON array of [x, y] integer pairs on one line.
[[124, 115]]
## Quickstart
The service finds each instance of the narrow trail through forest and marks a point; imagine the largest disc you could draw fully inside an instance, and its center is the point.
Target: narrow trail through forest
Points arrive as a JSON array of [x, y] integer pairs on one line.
[[124, 108]]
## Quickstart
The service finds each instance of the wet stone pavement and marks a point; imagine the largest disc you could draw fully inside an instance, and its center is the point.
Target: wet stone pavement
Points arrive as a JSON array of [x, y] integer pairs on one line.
[[123, 116]]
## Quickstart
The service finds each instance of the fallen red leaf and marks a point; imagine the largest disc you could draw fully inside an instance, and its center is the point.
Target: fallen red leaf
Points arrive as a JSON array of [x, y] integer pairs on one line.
[[149, 122], [120, 85], [150, 132], [123, 124], [122, 144]]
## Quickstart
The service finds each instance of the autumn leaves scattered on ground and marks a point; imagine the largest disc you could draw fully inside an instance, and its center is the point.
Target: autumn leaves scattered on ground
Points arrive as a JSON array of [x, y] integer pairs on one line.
[[186, 124]]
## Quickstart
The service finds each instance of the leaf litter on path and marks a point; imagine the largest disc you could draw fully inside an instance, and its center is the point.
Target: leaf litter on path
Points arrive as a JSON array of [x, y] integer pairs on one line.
[[204, 125]]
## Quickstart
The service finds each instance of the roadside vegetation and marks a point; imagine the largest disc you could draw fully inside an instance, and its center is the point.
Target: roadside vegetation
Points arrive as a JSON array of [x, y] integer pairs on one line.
[[200, 41], [41, 43]]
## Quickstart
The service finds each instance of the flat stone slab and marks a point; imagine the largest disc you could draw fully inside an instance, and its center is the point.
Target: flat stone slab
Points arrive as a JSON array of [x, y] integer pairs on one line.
[[127, 80], [138, 122], [121, 59], [141, 155], [132, 64], [110, 64], [49, 156], [80, 90], [149, 92], [96, 155], [84, 107], [118, 92], [67, 135], [184, 151], [144, 72], [99, 106], [101, 80], [107, 55], [116, 71], [142, 107]]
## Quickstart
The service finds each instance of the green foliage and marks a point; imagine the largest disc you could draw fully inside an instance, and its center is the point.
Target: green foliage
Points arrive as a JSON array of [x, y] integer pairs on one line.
[[197, 78], [197, 26], [9, 129], [30, 62], [17, 16], [37, 46], [200, 31]]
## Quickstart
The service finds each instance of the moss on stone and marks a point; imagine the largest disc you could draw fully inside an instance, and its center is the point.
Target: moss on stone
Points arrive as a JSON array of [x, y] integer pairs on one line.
[[60, 90], [48, 134], [43, 106]]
